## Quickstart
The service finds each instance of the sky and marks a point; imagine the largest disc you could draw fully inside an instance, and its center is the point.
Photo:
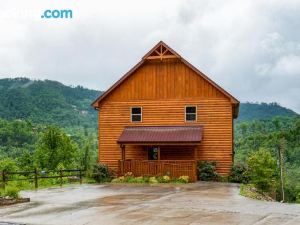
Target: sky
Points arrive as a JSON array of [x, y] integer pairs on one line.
[[250, 48]]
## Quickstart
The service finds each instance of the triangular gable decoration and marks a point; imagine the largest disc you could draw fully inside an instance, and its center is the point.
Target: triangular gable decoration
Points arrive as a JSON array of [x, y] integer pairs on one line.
[[161, 51]]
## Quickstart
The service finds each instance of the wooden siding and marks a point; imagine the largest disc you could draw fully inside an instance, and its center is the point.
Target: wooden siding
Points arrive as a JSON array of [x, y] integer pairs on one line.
[[214, 114], [163, 89], [177, 152], [166, 79]]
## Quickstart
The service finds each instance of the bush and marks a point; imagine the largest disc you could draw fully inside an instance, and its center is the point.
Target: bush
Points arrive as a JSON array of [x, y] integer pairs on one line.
[[238, 174], [207, 171], [118, 180], [129, 178], [262, 170], [163, 179], [153, 180], [12, 192], [101, 173], [183, 179]]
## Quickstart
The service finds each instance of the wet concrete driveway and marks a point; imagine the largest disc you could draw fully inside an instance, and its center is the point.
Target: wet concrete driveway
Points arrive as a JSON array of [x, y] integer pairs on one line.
[[199, 203]]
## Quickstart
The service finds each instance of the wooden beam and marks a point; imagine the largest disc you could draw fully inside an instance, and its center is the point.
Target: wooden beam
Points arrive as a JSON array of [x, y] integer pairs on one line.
[[158, 153], [163, 57], [165, 52], [123, 152]]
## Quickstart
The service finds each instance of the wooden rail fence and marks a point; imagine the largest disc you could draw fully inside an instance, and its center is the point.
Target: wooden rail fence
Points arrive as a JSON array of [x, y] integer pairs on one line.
[[173, 168], [35, 175]]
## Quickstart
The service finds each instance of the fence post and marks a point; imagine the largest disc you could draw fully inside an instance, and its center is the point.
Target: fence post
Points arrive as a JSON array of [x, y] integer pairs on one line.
[[3, 178], [36, 185], [61, 178], [80, 176]]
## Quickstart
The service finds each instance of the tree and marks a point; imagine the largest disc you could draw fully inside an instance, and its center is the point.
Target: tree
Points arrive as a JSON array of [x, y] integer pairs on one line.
[[8, 165], [281, 152], [55, 148], [262, 170]]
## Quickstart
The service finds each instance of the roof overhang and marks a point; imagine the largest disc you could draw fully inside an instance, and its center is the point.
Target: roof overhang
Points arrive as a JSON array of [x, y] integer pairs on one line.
[[161, 135]]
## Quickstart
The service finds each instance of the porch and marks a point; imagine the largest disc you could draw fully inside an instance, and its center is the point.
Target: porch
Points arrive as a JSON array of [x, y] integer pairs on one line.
[[161, 150], [172, 168]]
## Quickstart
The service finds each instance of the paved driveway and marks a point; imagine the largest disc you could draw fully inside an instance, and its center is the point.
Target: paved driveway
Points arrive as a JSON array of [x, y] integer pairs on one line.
[[199, 203]]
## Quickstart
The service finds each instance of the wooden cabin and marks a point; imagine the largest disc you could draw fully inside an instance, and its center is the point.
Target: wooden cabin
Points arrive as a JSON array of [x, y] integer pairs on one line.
[[163, 116]]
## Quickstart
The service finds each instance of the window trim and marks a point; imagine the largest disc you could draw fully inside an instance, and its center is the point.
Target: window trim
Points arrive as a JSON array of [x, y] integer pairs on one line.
[[133, 114], [185, 113]]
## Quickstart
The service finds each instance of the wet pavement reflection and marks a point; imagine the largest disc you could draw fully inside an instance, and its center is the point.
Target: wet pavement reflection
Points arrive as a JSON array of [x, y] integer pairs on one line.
[[199, 203]]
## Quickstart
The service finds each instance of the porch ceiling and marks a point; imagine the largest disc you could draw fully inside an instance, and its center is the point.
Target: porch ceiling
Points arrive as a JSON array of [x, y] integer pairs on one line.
[[164, 135]]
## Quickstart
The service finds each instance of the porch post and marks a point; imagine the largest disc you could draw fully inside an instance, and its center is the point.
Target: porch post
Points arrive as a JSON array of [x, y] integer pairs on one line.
[[158, 153], [123, 152], [122, 162]]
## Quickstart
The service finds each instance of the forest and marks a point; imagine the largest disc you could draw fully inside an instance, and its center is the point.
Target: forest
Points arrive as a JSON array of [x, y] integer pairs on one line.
[[47, 125], [275, 135]]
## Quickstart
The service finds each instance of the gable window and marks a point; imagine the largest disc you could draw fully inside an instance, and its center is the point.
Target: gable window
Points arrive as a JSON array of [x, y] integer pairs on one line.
[[190, 113], [136, 114]]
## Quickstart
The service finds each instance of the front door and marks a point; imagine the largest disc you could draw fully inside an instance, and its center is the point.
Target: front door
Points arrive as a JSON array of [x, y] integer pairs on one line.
[[153, 153]]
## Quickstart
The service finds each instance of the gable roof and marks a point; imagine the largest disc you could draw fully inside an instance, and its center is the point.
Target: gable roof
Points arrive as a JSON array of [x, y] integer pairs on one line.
[[162, 51]]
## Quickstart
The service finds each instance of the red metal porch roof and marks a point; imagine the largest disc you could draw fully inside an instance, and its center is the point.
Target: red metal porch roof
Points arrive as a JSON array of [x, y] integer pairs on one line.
[[161, 134]]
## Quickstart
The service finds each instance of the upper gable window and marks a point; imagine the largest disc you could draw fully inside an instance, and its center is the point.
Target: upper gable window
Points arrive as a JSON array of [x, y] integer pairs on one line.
[[136, 114], [190, 113]]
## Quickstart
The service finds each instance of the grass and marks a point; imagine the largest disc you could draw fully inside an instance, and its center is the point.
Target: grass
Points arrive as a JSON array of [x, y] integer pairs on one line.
[[10, 191], [249, 191]]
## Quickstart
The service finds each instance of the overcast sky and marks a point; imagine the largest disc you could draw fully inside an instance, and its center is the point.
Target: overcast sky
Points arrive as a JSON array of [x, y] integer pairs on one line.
[[250, 48]]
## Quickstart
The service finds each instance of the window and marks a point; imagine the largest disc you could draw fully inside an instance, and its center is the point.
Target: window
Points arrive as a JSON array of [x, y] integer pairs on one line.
[[136, 114], [190, 113]]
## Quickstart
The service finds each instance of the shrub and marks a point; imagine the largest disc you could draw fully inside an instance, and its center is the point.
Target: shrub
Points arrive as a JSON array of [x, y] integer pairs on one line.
[[238, 174], [140, 180], [12, 192], [183, 179], [262, 170], [207, 171], [101, 173], [163, 179], [153, 180], [118, 180]]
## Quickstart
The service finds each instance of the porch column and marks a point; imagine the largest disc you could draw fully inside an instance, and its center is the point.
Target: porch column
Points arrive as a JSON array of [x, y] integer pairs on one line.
[[158, 153], [122, 162], [123, 152]]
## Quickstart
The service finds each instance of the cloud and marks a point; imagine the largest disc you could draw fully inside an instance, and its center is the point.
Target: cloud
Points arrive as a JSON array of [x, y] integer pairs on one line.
[[251, 48]]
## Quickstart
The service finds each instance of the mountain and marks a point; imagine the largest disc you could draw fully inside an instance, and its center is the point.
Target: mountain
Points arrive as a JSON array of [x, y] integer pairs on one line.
[[47, 102], [50, 102], [256, 111]]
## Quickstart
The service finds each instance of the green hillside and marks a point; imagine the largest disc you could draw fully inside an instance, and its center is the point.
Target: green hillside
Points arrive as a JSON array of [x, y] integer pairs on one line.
[[47, 102], [50, 102], [253, 111]]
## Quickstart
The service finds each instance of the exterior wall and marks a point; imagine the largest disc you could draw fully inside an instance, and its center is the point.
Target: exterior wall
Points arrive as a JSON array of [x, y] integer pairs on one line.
[[163, 89], [177, 152]]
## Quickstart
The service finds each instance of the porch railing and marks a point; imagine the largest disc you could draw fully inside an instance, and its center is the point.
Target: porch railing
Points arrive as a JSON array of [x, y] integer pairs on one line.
[[173, 168]]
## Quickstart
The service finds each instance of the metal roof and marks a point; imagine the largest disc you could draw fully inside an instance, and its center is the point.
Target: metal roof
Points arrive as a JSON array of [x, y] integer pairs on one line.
[[161, 134]]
